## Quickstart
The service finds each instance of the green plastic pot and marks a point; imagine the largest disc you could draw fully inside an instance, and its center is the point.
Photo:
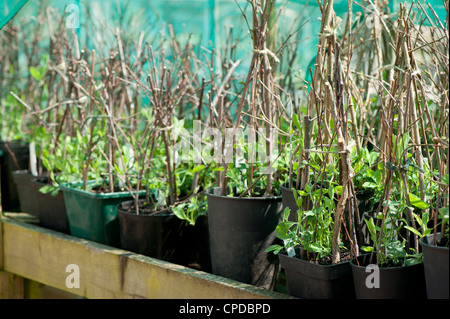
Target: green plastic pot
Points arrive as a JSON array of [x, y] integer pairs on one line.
[[93, 216]]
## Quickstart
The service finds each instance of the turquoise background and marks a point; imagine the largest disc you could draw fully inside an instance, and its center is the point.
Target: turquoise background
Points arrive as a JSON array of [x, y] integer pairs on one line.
[[206, 20]]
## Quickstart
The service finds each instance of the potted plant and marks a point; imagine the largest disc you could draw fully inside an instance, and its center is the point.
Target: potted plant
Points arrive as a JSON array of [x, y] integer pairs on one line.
[[21, 98], [307, 243], [15, 157], [432, 229], [96, 177], [246, 206], [159, 225], [389, 271], [32, 129], [409, 179], [14, 145], [50, 203], [318, 246], [434, 247], [435, 259]]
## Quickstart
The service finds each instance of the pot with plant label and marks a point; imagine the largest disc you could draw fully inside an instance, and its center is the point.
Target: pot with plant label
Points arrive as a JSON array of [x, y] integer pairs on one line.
[[15, 157], [435, 261], [306, 251], [240, 231]]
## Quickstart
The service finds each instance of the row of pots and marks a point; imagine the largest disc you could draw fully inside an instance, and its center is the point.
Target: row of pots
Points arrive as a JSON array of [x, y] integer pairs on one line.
[[353, 279], [231, 242], [241, 230]]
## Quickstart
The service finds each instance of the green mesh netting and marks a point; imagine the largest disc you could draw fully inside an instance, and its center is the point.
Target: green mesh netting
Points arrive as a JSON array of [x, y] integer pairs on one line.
[[8, 9], [205, 20]]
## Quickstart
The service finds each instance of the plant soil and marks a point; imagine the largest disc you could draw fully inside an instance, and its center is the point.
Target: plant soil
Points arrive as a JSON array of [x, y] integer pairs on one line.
[[326, 261], [105, 189], [146, 209]]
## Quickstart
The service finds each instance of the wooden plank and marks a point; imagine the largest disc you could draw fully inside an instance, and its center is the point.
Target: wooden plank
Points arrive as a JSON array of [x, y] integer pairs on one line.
[[18, 216], [11, 286], [43, 255], [36, 290], [1, 239]]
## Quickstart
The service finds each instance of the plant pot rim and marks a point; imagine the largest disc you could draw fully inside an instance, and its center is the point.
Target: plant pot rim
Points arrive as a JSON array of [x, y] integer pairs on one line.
[[71, 187], [165, 213], [285, 188], [40, 179], [260, 198], [15, 143], [312, 263], [353, 264], [423, 243], [21, 171]]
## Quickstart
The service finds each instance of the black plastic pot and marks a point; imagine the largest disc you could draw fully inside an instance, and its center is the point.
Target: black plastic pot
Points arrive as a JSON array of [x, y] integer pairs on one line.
[[25, 191], [435, 262], [51, 208], [150, 235], [15, 156], [287, 195], [406, 282], [308, 280], [193, 245], [240, 230], [365, 203]]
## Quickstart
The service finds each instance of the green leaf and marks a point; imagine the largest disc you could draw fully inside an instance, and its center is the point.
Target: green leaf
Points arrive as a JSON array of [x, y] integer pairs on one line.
[[371, 228], [198, 168], [35, 73], [296, 121], [274, 248], [444, 213], [286, 213], [179, 211], [417, 202], [46, 189], [283, 228], [369, 185], [372, 158], [316, 248], [414, 231], [412, 261]]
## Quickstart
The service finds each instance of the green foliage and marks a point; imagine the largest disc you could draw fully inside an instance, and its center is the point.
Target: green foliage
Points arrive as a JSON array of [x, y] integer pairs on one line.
[[393, 251], [314, 227]]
